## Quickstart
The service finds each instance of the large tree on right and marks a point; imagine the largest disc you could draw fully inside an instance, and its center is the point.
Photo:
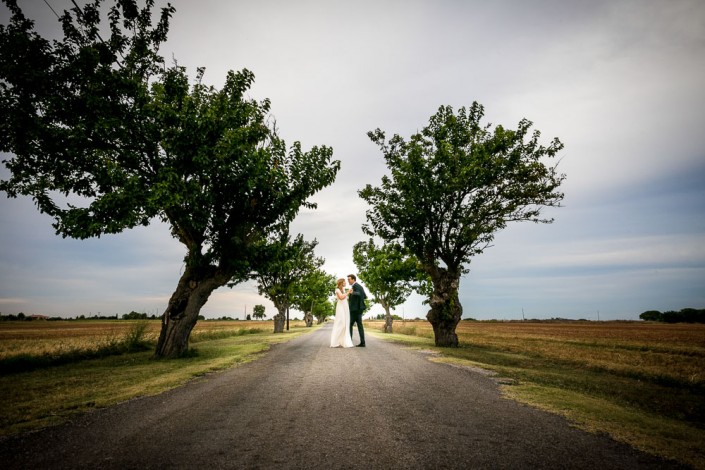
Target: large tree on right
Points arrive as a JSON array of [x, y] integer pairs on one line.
[[451, 187]]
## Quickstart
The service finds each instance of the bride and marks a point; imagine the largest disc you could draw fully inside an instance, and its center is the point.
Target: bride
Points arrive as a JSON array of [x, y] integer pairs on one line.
[[340, 336]]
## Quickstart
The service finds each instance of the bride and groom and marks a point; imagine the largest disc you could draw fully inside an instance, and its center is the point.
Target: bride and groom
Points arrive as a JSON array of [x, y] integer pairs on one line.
[[349, 307]]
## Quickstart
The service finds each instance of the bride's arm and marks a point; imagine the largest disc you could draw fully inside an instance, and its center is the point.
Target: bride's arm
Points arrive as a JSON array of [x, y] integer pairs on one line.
[[340, 295]]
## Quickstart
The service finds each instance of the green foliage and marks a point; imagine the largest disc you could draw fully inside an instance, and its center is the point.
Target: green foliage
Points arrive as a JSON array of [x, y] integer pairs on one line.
[[19, 317], [390, 272], [324, 310], [456, 183], [258, 312], [76, 116], [310, 293], [281, 264], [394, 316], [686, 315], [127, 139], [451, 187], [651, 315], [134, 338], [134, 316]]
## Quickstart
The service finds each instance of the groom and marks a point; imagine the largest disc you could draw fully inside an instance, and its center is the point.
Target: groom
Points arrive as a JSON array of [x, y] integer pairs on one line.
[[357, 306]]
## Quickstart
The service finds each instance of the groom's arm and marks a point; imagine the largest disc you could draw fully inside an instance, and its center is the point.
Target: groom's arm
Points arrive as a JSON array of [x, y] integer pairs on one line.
[[359, 291], [355, 295], [356, 289]]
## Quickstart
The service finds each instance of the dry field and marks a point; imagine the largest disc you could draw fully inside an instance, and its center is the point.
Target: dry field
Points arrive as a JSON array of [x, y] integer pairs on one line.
[[656, 350], [42, 338]]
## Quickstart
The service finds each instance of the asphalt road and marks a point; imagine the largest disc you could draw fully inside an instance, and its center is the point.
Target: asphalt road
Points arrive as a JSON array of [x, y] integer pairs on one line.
[[305, 405]]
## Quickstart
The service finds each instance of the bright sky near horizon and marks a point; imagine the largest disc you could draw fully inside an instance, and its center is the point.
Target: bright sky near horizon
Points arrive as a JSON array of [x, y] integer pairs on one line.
[[620, 82]]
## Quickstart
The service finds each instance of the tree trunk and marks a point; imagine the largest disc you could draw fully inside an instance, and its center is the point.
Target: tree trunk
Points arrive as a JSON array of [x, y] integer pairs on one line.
[[181, 315], [308, 318], [446, 310], [280, 320], [387, 320]]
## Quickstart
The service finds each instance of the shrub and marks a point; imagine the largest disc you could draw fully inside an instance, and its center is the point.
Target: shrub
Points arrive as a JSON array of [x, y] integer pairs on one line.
[[686, 315]]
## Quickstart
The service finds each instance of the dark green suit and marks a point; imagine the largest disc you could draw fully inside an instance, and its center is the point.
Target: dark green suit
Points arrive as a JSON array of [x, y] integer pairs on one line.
[[356, 301]]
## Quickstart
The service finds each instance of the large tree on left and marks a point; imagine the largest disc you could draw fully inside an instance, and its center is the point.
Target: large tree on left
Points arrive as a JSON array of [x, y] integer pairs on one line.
[[104, 137]]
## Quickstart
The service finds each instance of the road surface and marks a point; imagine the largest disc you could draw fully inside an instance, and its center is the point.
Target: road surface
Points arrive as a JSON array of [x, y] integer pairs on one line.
[[305, 405]]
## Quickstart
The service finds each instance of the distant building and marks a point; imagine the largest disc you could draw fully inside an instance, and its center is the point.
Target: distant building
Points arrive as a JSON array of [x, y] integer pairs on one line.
[[38, 317]]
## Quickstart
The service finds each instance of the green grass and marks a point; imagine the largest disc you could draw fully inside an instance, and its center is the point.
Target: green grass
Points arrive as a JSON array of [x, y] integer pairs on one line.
[[50, 395], [656, 414], [211, 335]]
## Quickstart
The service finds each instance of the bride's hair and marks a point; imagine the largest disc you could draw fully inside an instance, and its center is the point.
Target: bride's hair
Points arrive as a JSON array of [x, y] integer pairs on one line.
[[340, 284]]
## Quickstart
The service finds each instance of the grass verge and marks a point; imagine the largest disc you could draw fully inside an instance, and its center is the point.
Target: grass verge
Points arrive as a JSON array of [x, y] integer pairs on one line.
[[50, 395], [663, 418]]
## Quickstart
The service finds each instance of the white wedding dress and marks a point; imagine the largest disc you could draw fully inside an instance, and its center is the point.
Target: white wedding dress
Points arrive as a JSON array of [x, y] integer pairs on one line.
[[340, 336]]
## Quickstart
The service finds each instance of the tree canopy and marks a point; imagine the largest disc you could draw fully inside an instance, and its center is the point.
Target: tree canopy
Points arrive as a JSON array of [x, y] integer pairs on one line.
[[104, 137], [686, 315], [390, 272], [311, 294], [451, 187], [258, 312], [284, 263]]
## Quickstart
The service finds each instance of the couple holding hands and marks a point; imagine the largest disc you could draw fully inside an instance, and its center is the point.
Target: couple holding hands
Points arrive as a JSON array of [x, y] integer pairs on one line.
[[349, 306]]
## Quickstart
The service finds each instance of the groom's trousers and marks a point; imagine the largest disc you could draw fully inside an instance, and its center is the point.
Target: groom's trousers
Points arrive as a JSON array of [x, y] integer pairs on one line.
[[356, 317]]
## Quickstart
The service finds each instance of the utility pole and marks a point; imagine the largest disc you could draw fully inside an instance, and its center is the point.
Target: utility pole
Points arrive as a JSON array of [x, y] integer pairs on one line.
[[522, 314]]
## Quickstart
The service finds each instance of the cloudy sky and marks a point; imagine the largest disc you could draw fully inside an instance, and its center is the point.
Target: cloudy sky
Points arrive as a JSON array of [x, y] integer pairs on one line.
[[619, 82]]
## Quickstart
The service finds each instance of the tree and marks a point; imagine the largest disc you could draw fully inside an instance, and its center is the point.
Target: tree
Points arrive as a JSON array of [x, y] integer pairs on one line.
[[324, 310], [389, 272], [651, 315], [106, 138], [134, 316], [311, 293], [258, 312], [452, 187], [283, 262], [686, 315]]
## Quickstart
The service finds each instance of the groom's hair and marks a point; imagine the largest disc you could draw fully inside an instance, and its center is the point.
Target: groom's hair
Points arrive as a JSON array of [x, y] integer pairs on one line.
[[352, 276]]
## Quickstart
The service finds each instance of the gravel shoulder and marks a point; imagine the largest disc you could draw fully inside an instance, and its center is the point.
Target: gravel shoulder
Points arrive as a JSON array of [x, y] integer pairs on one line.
[[305, 405]]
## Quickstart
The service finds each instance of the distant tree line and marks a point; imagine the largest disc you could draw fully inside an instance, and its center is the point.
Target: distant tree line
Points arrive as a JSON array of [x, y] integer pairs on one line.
[[136, 316], [126, 316], [687, 315], [22, 317], [258, 314], [382, 316]]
